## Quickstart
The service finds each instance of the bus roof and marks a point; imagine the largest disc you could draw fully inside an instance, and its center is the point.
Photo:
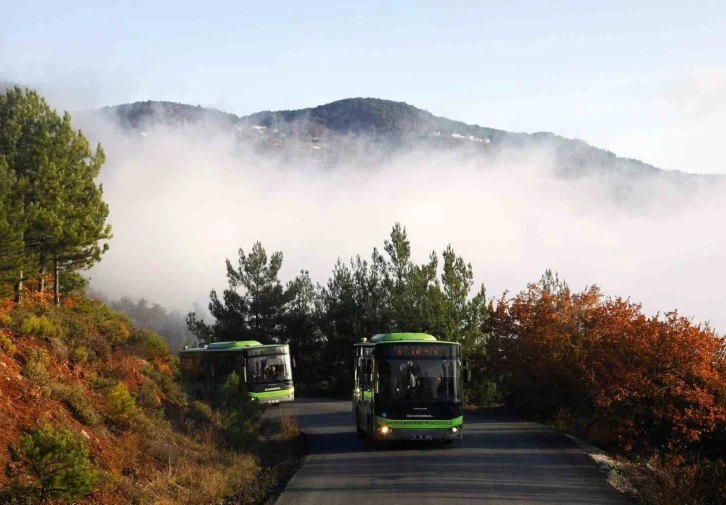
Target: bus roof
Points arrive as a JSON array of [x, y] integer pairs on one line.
[[238, 345], [227, 345], [395, 337]]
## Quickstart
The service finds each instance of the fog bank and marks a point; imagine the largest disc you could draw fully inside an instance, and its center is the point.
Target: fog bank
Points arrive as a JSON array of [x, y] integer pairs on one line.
[[181, 204]]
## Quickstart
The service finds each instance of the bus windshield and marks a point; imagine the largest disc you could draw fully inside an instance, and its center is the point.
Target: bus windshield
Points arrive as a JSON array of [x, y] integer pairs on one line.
[[268, 368], [422, 380]]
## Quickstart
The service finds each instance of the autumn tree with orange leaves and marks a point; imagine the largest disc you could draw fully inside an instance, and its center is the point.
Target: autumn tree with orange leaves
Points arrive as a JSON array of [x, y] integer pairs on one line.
[[635, 383]]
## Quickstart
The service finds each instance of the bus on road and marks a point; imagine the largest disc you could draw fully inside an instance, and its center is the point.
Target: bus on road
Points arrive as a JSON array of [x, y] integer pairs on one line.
[[408, 386], [264, 369]]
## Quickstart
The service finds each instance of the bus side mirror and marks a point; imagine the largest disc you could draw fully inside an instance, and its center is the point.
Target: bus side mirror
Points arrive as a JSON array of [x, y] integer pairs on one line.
[[368, 378], [294, 365]]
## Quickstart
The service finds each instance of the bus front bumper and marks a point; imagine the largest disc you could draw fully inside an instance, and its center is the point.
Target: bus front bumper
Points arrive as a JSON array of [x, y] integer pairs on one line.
[[283, 396], [384, 433]]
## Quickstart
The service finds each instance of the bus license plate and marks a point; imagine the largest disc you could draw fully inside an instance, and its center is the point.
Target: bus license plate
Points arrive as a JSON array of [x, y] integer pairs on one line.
[[420, 437]]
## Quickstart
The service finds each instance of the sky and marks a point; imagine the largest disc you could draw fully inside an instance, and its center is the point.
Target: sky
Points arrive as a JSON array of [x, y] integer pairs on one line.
[[644, 79]]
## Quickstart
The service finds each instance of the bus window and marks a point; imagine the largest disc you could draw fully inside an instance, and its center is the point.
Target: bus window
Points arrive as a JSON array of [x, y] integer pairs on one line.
[[367, 371], [268, 368]]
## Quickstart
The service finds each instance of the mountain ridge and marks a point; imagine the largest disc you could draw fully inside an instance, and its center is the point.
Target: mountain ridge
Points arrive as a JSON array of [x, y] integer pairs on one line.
[[391, 125]]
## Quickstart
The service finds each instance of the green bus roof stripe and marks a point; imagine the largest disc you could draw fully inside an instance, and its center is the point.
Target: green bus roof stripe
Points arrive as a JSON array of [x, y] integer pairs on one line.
[[230, 346], [392, 337], [227, 345]]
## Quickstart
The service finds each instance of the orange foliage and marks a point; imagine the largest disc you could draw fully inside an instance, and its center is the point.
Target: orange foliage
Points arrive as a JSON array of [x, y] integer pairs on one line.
[[5, 305], [637, 383]]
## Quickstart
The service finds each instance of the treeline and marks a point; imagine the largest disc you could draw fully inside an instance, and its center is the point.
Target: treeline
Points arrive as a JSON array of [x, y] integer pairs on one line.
[[387, 292], [52, 215]]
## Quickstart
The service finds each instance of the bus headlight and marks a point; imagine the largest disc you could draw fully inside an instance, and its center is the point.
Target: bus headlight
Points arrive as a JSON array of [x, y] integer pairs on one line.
[[385, 430], [454, 430]]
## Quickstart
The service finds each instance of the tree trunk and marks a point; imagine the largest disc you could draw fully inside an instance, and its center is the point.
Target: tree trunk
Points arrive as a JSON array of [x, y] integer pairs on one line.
[[19, 288], [41, 284], [56, 283]]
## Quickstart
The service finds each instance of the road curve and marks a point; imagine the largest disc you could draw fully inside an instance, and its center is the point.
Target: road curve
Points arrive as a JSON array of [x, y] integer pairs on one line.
[[501, 460]]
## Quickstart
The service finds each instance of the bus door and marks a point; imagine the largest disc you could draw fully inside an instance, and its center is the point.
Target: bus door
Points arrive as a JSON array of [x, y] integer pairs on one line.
[[367, 389]]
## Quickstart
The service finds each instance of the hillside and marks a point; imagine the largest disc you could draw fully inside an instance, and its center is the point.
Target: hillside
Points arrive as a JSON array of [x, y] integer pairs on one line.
[[80, 375], [385, 125]]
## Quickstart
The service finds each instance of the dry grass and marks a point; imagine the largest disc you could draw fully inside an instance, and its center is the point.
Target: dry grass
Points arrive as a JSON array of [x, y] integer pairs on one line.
[[194, 472], [661, 480], [206, 481], [669, 482], [288, 428]]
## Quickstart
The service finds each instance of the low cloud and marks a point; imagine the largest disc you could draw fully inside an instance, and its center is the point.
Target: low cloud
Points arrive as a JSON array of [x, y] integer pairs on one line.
[[181, 204]]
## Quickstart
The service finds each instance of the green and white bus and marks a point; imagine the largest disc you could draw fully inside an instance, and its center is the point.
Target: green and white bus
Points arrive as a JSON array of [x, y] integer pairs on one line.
[[408, 386], [264, 369]]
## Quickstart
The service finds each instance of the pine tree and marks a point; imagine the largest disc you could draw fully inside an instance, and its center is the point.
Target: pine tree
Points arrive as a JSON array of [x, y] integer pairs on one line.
[[465, 314], [11, 230], [58, 461], [62, 213], [254, 305]]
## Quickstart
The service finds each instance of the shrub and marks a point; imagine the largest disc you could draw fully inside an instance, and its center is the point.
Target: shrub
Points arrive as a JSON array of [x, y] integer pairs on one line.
[[481, 392], [242, 420], [75, 327], [200, 411], [36, 369], [243, 425], [101, 348], [56, 462], [19, 494], [115, 330], [38, 327], [147, 395], [154, 346], [120, 405], [75, 398], [231, 394], [6, 344], [101, 382], [166, 384], [666, 481], [78, 354]]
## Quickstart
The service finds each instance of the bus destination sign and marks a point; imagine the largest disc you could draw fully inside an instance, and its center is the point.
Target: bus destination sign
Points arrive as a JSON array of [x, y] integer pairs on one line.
[[420, 350]]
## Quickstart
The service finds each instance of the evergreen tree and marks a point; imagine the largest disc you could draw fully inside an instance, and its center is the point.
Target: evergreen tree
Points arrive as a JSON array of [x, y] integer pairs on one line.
[[254, 306], [267, 299], [301, 330], [11, 231], [465, 315], [60, 209], [58, 461], [340, 320]]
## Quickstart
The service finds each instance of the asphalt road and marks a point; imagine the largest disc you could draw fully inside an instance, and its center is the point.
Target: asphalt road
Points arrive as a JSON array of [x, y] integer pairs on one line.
[[501, 460]]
